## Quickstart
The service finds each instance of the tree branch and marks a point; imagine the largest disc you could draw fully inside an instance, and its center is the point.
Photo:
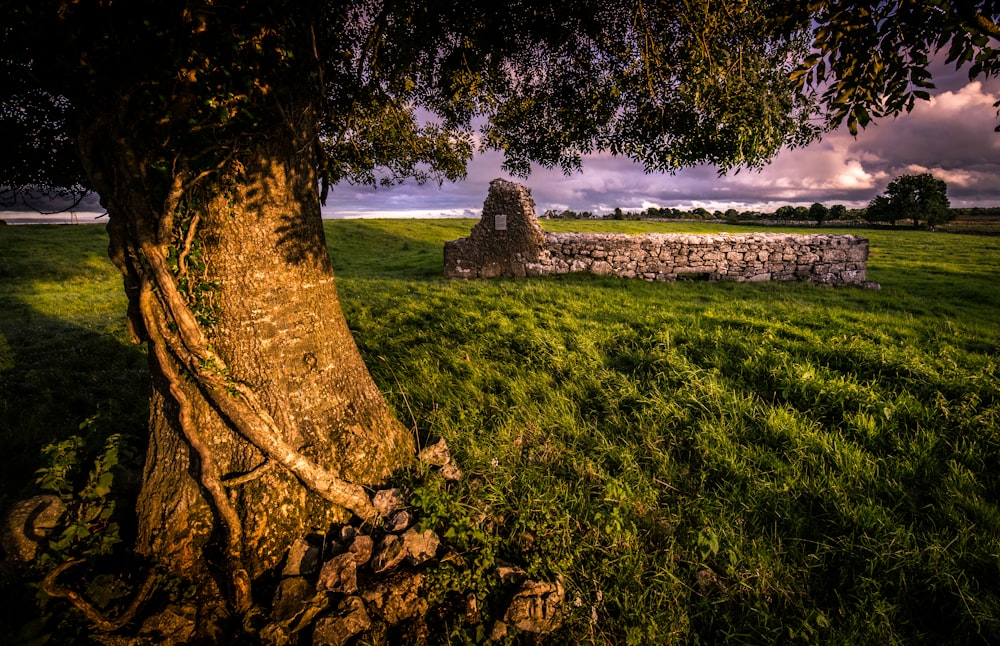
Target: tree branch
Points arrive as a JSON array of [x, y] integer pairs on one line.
[[987, 26]]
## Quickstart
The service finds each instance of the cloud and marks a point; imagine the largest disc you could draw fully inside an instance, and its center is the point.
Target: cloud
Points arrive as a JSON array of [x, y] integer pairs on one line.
[[961, 177]]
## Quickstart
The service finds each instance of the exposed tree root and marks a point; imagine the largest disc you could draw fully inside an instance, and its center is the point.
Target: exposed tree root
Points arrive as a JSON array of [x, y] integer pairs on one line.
[[249, 476], [91, 612]]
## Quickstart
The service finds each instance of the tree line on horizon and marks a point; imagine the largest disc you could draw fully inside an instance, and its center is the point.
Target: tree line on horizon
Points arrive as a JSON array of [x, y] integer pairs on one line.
[[920, 198]]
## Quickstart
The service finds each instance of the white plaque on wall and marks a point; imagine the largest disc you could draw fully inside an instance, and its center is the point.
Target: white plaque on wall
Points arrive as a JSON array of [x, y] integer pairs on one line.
[[500, 222]]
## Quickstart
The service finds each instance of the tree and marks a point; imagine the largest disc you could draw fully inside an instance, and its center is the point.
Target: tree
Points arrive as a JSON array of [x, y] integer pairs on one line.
[[206, 129], [838, 212], [919, 197], [819, 213], [880, 209], [786, 212]]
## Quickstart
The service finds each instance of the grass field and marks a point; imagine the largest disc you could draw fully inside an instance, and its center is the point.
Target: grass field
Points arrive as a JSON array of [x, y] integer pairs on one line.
[[701, 462]]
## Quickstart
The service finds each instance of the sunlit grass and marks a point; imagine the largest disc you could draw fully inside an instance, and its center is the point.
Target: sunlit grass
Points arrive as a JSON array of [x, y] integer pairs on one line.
[[713, 462], [744, 463]]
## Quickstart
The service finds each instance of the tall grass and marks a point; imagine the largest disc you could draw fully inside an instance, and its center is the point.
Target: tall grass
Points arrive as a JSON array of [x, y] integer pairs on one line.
[[701, 462]]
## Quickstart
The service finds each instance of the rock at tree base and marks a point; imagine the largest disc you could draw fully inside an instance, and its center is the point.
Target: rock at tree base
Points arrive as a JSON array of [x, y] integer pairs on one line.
[[397, 599], [386, 501], [26, 524], [339, 574], [351, 620], [290, 597], [420, 546], [398, 521], [303, 559], [390, 552], [537, 607], [362, 547], [436, 454]]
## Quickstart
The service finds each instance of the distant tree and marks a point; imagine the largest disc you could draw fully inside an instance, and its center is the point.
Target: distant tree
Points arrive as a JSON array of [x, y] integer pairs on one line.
[[786, 212], [701, 214], [819, 213], [880, 209], [838, 212], [732, 214], [918, 197], [618, 215]]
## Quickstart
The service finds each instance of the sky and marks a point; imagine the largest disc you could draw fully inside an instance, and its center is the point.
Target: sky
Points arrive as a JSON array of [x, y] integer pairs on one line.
[[951, 136]]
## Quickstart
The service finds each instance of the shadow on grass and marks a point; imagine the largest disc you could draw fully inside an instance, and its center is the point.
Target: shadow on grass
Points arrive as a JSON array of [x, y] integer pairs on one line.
[[56, 375]]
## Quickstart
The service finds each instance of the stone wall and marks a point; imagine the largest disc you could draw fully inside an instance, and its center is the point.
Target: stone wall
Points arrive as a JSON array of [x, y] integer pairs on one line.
[[507, 241]]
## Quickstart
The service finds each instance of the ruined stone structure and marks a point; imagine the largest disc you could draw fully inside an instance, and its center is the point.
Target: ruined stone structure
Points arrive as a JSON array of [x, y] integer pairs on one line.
[[507, 241]]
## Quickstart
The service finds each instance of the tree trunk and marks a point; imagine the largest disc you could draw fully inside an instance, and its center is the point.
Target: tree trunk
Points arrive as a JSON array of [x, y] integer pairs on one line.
[[264, 417]]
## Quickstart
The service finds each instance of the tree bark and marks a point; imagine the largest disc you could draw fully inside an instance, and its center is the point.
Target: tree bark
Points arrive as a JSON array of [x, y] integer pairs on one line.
[[264, 418]]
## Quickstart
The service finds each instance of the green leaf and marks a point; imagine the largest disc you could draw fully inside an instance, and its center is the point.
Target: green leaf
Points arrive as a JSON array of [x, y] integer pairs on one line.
[[852, 124], [862, 115], [708, 543]]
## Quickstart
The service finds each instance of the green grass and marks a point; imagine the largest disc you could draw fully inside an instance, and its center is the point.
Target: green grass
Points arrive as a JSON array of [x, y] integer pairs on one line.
[[703, 462], [64, 349]]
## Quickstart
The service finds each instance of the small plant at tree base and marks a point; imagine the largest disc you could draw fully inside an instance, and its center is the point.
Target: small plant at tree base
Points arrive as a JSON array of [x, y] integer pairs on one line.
[[84, 550], [90, 527]]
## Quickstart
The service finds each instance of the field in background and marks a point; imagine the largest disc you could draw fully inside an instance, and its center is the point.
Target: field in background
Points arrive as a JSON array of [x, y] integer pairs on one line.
[[708, 462], [976, 222]]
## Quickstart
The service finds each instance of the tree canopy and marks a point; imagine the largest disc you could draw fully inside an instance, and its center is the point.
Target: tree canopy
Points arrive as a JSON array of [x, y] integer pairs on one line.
[[920, 197], [670, 84], [871, 59]]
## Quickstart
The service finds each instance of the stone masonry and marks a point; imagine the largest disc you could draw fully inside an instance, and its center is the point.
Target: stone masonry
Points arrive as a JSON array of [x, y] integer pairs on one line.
[[507, 241]]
